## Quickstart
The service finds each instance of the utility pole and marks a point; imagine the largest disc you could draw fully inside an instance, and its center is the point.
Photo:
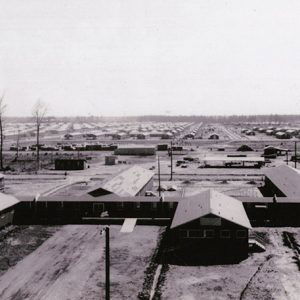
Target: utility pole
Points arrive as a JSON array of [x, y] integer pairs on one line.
[[107, 263], [158, 167], [287, 157], [295, 155], [171, 161]]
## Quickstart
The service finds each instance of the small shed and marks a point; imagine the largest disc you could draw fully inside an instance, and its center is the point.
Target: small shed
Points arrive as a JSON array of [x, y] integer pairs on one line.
[[283, 135], [162, 147], [213, 137], [244, 148], [141, 136], [68, 136], [274, 151], [111, 160], [2, 184], [70, 164]]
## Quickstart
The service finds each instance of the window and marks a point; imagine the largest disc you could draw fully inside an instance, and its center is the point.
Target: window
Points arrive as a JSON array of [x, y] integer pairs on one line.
[[263, 206], [196, 233], [210, 221], [225, 234], [171, 205], [120, 205], [183, 233], [154, 205], [98, 208], [209, 233], [241, 234]]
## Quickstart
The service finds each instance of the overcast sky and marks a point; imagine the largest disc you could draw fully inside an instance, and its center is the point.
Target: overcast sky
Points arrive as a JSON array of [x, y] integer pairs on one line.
[[134, 57]]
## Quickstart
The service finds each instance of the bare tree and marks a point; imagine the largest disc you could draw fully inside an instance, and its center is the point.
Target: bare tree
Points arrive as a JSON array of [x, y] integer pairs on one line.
[[18, 142], [39, 112], [2, 111]]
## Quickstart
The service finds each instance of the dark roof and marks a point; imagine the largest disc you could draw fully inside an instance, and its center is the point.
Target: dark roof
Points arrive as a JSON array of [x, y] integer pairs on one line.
[[286, 179], [210, 202]]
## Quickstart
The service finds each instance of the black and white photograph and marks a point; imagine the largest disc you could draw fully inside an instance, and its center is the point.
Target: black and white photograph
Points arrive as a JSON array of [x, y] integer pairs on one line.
[[149, 150]]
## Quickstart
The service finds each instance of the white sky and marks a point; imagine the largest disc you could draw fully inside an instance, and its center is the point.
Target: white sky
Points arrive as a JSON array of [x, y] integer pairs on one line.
[[132, 57]]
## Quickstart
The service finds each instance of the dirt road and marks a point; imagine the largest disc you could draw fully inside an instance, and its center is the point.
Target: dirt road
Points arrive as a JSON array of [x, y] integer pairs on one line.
[[70, 265]]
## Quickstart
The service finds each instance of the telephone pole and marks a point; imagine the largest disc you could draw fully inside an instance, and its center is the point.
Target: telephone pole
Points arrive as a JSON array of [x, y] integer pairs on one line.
[[171, 161], [158, 167], [107, 263], [295, 155]]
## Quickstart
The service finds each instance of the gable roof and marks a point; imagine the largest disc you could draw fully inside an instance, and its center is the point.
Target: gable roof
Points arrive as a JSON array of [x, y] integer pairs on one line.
[[286, 178], [210, 202], [7, 201], [128, 183]]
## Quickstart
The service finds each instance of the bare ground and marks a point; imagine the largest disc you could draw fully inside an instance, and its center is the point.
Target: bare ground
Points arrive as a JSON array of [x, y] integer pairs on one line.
[[70, 265], [273, 274]]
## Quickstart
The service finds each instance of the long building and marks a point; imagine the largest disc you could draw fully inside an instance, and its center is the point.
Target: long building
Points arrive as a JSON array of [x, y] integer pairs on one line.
[[282, 181], [135, 150], [132, 182]]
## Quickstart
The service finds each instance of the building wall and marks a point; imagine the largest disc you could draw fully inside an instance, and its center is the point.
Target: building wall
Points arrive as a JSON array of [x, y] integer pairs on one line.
[[135, 151], [110, 160], [6, 217], [225, 240], [70, 164], [147, 187], [270, 189], [73, 212]]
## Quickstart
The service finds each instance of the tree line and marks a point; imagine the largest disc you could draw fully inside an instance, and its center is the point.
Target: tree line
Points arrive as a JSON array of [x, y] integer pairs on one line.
[[272, 118]]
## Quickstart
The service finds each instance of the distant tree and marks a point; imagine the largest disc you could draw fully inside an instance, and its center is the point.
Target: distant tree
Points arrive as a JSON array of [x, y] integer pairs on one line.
[[18, 142], [39, 113], [2, 112]]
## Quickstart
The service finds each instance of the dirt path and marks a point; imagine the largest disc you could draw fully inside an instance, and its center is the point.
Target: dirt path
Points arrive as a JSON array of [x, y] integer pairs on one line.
[[70, 265]]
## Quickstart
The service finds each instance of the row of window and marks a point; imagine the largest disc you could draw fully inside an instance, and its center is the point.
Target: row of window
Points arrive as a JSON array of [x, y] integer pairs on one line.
[[211, 233], [137, 205]]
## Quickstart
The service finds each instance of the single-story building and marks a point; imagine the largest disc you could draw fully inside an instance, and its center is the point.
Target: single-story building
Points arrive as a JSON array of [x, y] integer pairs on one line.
[[131, 182], [282, 181], [283, 135], [274, 151], [162, 147], [70, 164], [213, 137], [135, 150], [2, 182], [111, 160], [213, 225], [244, 148]]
